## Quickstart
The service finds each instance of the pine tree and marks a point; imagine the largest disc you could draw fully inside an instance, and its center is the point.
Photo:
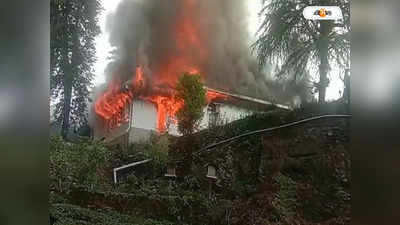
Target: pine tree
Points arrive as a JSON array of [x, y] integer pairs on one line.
[[73, 53]]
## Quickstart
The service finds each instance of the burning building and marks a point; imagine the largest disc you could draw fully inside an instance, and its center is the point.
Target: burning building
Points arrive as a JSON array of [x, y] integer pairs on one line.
[[157, 41], [127, 114]]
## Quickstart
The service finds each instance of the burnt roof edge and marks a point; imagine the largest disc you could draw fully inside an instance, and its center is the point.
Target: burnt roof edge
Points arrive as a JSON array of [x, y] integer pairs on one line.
[[248, 98]]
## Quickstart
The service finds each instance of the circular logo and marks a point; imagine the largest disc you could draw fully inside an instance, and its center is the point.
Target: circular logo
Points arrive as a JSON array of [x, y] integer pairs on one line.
[[322, 12]]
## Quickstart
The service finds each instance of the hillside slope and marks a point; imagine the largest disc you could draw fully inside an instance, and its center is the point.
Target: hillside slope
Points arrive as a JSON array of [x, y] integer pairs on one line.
[[299, 175]]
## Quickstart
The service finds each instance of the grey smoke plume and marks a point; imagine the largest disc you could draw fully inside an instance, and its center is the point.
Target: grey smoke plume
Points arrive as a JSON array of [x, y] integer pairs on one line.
[[155, 34]]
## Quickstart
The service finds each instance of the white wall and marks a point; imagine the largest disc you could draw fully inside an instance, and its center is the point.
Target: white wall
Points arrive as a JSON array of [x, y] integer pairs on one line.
[[227, 114], [144, 115], [230, 113], [204, 121]]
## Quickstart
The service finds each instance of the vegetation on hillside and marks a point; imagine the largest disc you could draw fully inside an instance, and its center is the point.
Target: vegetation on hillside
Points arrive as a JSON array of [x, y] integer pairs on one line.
[[297, 176]]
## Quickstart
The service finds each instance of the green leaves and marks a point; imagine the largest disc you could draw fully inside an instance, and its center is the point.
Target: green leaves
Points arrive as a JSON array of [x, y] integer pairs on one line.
[[65, 214], [83, 164], [295, 44], [285, 200], [190, 90], [73, 53]]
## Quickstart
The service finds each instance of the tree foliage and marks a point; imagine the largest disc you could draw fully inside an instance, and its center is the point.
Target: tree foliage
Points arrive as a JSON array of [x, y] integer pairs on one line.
[[190, 90], [72, 55], [83, 163], [298, 45]]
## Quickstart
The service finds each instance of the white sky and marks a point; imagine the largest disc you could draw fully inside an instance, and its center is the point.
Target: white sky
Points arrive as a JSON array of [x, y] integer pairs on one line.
[[103, 46]]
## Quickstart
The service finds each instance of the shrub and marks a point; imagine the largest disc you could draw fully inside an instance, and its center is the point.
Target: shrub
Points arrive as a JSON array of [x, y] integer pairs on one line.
[[158, 149], [190, 90], [285, 201], [78, 164], [65, 214]]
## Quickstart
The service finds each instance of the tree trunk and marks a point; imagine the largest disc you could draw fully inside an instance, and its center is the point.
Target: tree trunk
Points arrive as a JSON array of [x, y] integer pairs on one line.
[[188, 154], [323, 79], [67, 78], [67, 106], [323, 48], [346, 91]]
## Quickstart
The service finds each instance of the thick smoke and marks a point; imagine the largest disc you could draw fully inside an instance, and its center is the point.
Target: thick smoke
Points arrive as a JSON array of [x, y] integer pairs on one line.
[[167, 38]]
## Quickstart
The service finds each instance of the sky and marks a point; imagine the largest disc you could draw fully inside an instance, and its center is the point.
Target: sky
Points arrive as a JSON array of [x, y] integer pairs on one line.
[[103, 47]]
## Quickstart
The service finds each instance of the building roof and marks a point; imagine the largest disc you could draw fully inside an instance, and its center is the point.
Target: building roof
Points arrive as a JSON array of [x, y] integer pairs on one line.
[[248, 99]]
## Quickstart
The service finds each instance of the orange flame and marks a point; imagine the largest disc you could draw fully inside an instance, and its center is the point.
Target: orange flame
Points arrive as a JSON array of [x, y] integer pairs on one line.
[[111, 105], [169, 106], [190, 50], [166, 106], [212, 95], [190, 46], [138, 81]]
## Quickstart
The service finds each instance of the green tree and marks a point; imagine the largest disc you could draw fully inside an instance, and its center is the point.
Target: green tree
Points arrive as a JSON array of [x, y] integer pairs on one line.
[[190, 90], [298, 45], [72, 51]]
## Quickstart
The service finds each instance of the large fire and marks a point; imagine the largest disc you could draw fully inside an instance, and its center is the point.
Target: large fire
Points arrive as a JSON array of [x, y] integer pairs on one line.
[[112, 105], [167, 107]]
